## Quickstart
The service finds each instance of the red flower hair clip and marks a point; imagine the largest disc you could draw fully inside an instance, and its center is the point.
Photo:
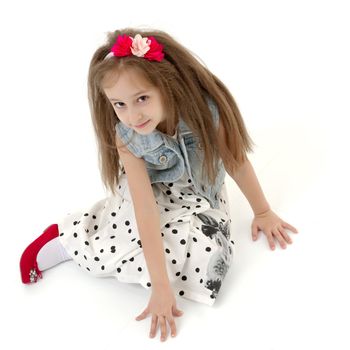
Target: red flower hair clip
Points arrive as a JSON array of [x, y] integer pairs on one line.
[[147, 48]]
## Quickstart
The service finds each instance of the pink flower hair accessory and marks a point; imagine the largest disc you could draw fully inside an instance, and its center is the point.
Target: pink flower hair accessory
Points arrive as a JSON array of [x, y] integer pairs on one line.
[[147, 48]]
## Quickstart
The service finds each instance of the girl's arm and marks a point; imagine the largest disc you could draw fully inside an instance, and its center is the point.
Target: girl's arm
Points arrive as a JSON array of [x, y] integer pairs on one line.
[[248, 183], [147, 217], [264, 218], [244, 177]]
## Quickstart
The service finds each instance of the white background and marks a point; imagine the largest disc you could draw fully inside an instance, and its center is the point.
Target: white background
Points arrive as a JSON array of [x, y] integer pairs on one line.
[[287, 65]]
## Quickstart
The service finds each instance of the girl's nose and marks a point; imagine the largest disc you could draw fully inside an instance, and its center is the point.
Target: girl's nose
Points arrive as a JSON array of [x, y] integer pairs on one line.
[[135, 118]]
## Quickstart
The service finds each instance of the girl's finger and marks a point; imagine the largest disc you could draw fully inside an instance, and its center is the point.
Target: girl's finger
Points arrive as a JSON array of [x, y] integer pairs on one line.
[[285, 236], [176, 311], [172, 326], [270, 240], [142, 315], [163, 329], [290, 227], [254, 232], [279, 237], [153, 330]]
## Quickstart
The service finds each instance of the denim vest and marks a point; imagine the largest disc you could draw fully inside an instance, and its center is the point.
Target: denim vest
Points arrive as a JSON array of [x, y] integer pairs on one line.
[[167, 159]]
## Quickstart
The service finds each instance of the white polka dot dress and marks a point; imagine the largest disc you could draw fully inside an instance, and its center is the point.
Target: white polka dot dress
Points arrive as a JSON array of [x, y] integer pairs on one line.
[[103, 239]]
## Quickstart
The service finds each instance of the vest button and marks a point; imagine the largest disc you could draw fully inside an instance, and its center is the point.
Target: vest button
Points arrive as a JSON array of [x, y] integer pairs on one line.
[[163, 159]]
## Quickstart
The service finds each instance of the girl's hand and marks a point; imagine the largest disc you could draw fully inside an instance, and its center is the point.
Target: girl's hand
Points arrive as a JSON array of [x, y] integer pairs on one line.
[[272, 226], [162, 306]]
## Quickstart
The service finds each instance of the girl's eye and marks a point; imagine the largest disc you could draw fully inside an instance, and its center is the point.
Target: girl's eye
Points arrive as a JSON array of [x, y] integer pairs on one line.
[[146, 97], [122, 103]]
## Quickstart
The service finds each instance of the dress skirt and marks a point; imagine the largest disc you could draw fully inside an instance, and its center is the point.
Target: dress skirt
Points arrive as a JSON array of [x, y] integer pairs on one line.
[[103, 239]]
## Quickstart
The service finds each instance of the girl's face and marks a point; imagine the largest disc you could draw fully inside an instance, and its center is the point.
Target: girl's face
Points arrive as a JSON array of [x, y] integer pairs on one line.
[[137, 104]]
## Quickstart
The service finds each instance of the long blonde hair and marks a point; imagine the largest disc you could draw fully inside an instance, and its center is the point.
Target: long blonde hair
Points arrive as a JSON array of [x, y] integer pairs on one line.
[[183, 83]]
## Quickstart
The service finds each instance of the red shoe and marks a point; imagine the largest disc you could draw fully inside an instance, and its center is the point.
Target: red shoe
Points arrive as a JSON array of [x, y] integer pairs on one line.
[[28, 264]]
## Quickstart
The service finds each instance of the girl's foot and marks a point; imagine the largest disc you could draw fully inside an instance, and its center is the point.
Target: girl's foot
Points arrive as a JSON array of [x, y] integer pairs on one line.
[[43, 253]]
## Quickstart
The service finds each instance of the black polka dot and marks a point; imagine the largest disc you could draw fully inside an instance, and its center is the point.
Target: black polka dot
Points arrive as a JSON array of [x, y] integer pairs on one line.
[[87, 269], [167, 250], [124, 261], [86, 242], [113, 213], [75, 234], [174, 231], [86, 214], [76, 252], [101, 251], [188, 254], [97, 238], [197, 269], [194, 239], [61, 234], [168, 193], [183, 241], [85, 257], [208, 249], [201, 280], [173, 261], [181, 292], [97, 259], [127, 222], [118, 269], [178, 273], [114, 226], [112, 237], [102, 267], [148, 284], [184, 278], [96, 227], [139, 269], [94, 216]]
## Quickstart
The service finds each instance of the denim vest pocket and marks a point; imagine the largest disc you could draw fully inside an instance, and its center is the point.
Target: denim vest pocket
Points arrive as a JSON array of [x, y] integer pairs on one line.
[[160, 158]]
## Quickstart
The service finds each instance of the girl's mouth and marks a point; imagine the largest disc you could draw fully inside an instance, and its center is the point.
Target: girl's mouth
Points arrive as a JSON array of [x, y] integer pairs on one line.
[[142, 125]]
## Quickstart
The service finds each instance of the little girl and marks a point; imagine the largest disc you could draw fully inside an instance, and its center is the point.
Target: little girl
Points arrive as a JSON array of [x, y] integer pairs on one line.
[[168, 130]]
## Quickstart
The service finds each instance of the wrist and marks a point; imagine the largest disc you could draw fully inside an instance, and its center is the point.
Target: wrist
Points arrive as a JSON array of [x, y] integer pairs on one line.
[[161, 285], [262, 212]]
